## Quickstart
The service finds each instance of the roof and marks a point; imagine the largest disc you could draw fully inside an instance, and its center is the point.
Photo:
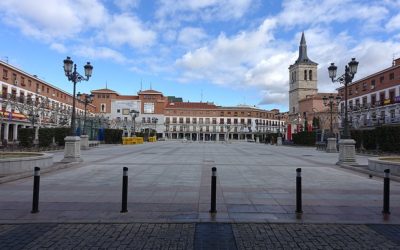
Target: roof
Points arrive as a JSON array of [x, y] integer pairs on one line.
[[191, 105], [104, 91], [149, 92], [317, 96], [303, 58]]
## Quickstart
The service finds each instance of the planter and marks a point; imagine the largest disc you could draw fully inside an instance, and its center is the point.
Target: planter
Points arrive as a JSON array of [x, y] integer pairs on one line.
[[379, 164], [15, 163]]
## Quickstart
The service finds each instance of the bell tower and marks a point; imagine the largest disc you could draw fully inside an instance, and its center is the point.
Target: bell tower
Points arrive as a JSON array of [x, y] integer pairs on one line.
[[302, 78]]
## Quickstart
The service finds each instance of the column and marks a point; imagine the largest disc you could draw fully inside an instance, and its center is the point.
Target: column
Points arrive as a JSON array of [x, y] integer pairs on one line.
[[15, 132], [6, 127]]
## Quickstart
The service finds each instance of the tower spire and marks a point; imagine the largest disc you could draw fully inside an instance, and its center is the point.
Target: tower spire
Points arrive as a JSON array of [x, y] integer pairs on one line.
[[303, 58]]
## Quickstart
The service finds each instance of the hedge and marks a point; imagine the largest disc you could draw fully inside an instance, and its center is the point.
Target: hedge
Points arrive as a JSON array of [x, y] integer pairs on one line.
[[60, 134], [26, 137], [386, 138], [304, 138], [46, 136], [113, 136]]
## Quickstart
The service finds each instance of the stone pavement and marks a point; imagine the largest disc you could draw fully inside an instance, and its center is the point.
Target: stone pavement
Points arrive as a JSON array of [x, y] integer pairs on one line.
[[169, 200], [199, 236]]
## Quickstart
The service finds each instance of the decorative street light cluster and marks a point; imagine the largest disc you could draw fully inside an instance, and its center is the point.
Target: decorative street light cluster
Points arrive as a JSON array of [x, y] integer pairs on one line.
[[133, 114], [346, 144], [87, 99], [330, 102], [75, 77], [346, 78]]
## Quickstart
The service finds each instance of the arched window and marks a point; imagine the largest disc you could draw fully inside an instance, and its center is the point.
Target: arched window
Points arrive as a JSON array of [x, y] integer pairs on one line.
[[310, 75], [305, 75], [294, 110]]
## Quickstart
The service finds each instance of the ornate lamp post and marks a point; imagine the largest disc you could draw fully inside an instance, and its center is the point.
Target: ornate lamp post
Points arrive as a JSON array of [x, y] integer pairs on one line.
[[279, 138], [346, 144], [155, 120], [134, 114], [75, 77], [72, 151], [330, 102], [87, 99]]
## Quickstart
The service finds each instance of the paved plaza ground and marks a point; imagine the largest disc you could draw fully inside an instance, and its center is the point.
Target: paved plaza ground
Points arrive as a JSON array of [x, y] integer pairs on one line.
[[169, 200]]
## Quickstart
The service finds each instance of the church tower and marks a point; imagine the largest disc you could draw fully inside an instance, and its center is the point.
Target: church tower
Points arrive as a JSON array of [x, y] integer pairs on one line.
[[302, 78]]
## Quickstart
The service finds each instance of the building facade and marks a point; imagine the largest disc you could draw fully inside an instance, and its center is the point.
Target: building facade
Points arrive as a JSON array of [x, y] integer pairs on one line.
[[28, 101], [374, 100]]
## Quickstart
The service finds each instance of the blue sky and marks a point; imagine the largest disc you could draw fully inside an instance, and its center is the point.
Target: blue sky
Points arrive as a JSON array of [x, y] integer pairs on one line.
[[226, 51]]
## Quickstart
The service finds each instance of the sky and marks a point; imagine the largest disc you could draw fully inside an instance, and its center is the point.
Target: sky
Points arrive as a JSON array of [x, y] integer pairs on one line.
[[229, 52]]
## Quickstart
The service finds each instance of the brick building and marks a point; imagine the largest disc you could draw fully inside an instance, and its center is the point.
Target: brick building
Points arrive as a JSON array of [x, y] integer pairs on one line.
[[28, 101], [375, 99]]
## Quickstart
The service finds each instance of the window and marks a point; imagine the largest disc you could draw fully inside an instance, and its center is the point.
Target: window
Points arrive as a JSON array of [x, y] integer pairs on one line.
[[372, 84], [103, 107], [29, 83], [118, 110], [221, 121], [310, 75], [180, 120], [5, 74], [22, 81], [373, 99], [364, 100], [350, 91], [381, 79], [200, 120], [305, 75], [364, 86], [235, 121], [228, 121], [391, 95], [391, 76], [187, 120], [194, 120], [222, 113]]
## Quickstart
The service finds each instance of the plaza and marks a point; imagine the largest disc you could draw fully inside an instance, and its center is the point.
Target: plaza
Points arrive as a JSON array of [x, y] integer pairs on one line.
[[170, 182], [169, 200]]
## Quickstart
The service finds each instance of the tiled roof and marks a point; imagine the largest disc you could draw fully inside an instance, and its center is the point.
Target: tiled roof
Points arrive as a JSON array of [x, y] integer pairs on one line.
[[191, 105], [104, 91], [149, 91]]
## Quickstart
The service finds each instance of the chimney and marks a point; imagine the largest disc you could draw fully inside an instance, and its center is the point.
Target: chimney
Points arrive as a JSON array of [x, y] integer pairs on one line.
[[396, 62]]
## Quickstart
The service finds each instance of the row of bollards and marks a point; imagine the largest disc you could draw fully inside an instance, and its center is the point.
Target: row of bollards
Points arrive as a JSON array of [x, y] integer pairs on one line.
[[299, 210]]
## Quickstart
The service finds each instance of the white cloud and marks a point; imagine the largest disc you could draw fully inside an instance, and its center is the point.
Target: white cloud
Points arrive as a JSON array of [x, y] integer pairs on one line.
[[306, 12], [51, 20], [58, 47], [191, 36], [393, 24], [99, 53], [127, 29], [125, 5], [204, 9]]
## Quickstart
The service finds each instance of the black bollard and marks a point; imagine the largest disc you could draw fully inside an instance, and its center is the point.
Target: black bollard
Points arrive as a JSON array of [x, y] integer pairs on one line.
[[124, 208], [36, 185], [299, 210], [386, 192], [214, 190]]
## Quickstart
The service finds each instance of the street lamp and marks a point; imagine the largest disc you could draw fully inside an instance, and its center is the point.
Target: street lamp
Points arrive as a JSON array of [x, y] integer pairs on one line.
[[330, 102], [155, 120], [75, 77], [279, 137], [346, 78], [134, 114], [87, 99], [346, 144]]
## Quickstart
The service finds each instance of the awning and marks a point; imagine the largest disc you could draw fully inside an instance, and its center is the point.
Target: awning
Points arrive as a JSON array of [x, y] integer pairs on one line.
[[13, 115]]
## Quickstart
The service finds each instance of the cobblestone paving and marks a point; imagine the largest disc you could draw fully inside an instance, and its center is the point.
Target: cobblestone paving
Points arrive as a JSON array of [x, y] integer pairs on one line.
[[199, 236]]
